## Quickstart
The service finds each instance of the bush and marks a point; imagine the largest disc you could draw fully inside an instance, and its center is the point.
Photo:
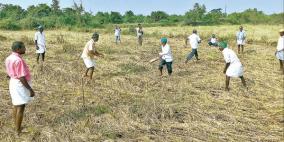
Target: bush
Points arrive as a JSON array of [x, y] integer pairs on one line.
[[8, 24]]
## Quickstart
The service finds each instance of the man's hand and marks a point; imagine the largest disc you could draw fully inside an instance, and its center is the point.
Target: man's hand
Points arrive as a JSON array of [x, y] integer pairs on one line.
[[32, 93], [224, 72], [37, 47]]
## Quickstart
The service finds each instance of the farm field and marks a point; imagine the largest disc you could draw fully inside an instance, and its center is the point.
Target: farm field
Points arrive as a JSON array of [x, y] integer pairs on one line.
[[127, 100]]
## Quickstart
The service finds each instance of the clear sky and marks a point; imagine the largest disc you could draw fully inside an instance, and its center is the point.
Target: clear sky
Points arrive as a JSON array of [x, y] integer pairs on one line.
[[145, 7]]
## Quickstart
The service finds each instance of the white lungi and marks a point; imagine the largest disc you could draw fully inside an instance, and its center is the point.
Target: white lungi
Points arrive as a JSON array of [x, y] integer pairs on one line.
[[19, 93], [241, 42], [235, 70], [89, 62], [41, 49], [280, 55]]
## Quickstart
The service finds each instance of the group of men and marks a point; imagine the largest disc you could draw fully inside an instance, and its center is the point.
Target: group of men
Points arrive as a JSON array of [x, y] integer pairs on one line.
[[20, 77], [233, 66]]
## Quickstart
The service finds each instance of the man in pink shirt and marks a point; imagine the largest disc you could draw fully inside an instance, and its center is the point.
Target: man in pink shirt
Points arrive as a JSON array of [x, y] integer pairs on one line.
[[20, 82]]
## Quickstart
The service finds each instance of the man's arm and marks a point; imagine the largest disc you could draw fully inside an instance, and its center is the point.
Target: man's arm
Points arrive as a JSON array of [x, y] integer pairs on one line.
[[36, 45], [165, 51], [186, 41], [198, 40], [96, 53], [226, 67], [26, 84]]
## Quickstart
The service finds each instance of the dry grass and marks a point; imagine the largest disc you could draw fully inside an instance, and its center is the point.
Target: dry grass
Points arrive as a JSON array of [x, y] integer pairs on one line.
[[127, 101]]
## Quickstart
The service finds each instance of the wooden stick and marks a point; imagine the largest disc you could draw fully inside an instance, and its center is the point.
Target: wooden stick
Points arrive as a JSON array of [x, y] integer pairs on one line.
[[154, 59]]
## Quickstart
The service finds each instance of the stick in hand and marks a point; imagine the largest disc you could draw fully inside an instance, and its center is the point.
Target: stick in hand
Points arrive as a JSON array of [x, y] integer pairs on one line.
[[154, 59]]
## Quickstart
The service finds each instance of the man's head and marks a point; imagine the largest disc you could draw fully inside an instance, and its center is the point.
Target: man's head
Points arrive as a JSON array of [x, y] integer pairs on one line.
[[241, 28], [194, 31], [281, 32], [40, 28], [164, 41], [139, 25], [213, 35], [19, 47], [222, 45], [95, 36]]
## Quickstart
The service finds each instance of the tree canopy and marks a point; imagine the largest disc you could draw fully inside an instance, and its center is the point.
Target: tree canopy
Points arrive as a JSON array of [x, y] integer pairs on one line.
[[13, 17]]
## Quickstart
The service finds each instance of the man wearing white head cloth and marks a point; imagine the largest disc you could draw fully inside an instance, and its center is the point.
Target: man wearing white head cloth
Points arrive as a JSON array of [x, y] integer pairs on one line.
[[40, 43]]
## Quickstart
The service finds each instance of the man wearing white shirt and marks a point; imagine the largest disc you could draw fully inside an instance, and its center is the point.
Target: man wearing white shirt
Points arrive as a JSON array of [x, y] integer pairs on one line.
[[233, 67], [213, 41], [140, 33], [166, 56], [117, 32], [241, 37], [280, 50], [88, 55], [40, 43], [194, 40]]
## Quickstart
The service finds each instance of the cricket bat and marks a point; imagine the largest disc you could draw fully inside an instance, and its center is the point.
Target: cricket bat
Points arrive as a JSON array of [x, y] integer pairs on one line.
[[154, 59]]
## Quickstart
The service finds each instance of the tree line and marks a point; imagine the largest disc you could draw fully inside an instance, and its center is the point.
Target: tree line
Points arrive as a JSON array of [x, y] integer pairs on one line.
[[14, 17]]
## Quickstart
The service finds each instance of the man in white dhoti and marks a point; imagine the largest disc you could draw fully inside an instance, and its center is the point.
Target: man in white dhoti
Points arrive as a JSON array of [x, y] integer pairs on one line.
[[241, 37], [280, 50], [139, 33], [117, 33], [233, 67], [88, 55], [40, 43], [20, 82]]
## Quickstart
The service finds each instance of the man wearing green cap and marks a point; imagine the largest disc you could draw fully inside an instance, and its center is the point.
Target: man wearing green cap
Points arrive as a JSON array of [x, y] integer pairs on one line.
[[40, 43], [213, 41], [88, 55], [165, 56], [280, 50], [233, 67]]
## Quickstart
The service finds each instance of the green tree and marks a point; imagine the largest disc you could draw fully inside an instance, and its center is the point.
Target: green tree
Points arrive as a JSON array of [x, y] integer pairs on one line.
[[103, 17], [215, 16], [140, 18], [41, 10], [10, 11], [115, 17], [129, 17], [55, 7], [195, 15], [156, 16]]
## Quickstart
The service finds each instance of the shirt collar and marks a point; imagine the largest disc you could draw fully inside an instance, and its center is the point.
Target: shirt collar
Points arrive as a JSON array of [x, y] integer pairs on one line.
[[17, 54], [225, 49], [165, 45], [92, 40]]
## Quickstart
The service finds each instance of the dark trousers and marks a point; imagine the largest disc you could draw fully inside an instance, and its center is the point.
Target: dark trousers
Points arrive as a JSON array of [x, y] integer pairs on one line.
[[212, 44], [192, 53], [168, 64]]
